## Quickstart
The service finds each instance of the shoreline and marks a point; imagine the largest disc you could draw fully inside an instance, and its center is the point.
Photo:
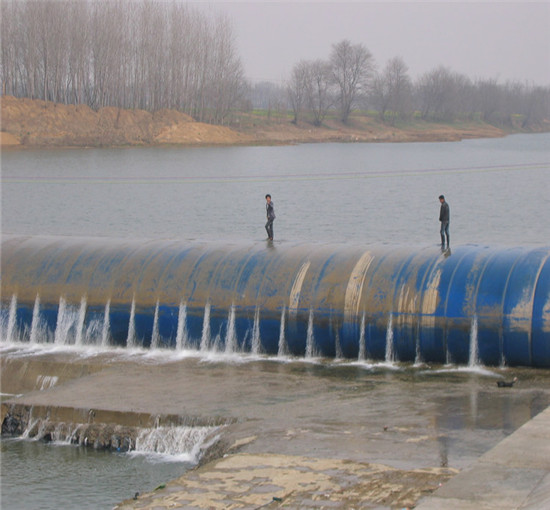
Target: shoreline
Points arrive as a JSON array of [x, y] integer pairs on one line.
[[36, 124]]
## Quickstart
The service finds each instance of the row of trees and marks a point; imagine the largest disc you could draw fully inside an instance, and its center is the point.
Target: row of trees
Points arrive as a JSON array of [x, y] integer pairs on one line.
[[348, 79], [152, 54], [143, 54]]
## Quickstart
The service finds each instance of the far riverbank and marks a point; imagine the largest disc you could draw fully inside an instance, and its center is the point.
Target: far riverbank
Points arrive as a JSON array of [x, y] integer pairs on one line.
[[28, 123]]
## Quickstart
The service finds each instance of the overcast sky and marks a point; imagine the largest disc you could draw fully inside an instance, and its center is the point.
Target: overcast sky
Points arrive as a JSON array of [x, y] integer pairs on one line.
[[481, 39]]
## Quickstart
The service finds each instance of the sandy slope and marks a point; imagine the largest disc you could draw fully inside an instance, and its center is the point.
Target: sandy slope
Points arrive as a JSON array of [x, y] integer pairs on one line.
[[36, 123]]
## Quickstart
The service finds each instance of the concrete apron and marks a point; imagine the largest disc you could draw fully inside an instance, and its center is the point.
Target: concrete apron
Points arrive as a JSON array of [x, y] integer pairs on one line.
[[250, 481], [513, 475], [250, 467], [247, 468]]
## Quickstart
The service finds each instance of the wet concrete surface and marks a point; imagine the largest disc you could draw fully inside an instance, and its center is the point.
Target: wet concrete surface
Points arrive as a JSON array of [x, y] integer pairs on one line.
[[250, 481], [513, 474], [402, 417]]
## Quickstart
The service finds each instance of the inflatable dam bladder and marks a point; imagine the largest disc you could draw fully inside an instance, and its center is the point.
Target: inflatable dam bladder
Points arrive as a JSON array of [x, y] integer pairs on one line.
[[477, 305]]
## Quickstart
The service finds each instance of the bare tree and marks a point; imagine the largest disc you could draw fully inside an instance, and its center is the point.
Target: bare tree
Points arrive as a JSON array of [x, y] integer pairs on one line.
[[268, 96], [297, 89], [319, 90], [489, 95], [352, 66], [226, 81], [392, 90], [140, 54], [9, 41], [438, 94], [537, 106]]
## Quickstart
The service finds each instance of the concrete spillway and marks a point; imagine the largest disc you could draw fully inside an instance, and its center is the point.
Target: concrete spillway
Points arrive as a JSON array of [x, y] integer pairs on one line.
[[478, 304]]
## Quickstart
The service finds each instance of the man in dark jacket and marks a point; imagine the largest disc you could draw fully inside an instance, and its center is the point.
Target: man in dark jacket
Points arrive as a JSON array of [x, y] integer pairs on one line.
[[270, 209], [444, 218]]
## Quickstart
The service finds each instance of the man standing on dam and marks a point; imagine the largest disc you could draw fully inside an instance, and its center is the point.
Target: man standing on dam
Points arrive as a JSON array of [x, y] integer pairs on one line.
[[270, 209], [444, 218]]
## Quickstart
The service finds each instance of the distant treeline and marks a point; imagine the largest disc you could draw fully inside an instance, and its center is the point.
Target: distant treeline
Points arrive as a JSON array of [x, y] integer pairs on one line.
[[130, 54], [151, 55], [349, 80]]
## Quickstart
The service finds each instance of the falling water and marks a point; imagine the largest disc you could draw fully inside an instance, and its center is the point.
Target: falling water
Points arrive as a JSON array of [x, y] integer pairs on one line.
[[310, 349], [155, 337], [338, 353], [63, 323], [105, 333], [417, 354], [205, 337], [187, 441], [181, 336], [256, 342], [474, 357], [81, 318], [362, 342], [11, 319], [131, 340], [231, 335], [35, 324], [390, 357], [283, 347]]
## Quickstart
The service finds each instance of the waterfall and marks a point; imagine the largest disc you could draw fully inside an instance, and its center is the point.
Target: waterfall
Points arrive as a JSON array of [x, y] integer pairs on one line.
[[283, 347], [362, 356], [59, 338], [338, 354], [474, 356], [80, 323], [256, 341], [418, 354], [231, 335], [155, 337], [11, 319], [35, 324], [188, 442], [68, 319], [43, 382], [390, 356], [131, 340], [310, 347], [106, 331], [181, 335], [205, 337], [31, 425]]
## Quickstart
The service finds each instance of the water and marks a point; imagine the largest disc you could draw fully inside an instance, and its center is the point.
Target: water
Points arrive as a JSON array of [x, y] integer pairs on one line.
[[181, 335], [79, 477], [499, 193], [473, 359]]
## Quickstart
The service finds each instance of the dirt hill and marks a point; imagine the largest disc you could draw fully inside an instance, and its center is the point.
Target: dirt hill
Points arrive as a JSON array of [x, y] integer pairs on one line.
[[35, 123]]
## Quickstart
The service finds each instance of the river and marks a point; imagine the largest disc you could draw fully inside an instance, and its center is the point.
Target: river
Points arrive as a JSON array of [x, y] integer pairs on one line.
[[498, 191], [499, 194]]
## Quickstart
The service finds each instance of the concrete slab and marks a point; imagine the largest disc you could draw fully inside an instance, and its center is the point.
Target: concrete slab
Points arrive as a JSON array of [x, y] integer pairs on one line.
[[515, 474], [246, 481], [540, 497]]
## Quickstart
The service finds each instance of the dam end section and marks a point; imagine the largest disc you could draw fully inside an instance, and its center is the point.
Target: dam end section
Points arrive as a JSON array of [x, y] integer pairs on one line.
[[474, 304]]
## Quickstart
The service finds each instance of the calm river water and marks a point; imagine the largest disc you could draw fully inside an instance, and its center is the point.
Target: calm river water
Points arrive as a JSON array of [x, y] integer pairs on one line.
[[498, 191]]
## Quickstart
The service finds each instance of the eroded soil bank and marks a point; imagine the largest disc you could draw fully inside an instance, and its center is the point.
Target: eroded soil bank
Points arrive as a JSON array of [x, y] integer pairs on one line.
[[28, 123]]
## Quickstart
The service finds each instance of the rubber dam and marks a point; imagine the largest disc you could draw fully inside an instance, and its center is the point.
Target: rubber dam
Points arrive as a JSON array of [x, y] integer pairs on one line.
[[475, 304]]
